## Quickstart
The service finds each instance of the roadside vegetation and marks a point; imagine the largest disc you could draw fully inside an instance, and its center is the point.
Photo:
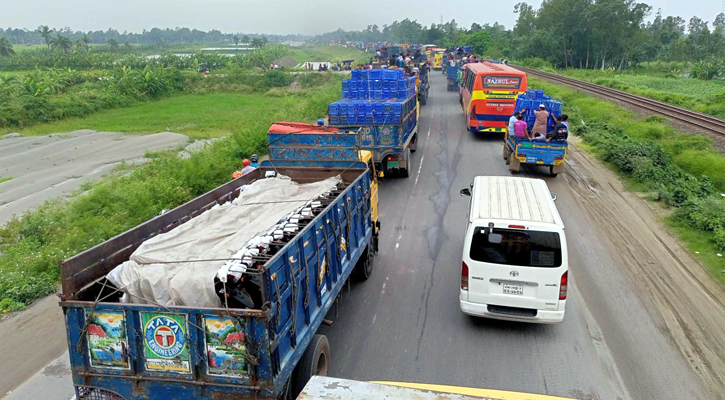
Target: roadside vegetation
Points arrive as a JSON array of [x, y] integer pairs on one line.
[[32, 245], [52, 94], [332, 53], [684, 172]]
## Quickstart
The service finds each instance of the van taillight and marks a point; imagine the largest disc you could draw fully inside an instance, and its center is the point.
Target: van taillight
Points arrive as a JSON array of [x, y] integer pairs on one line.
[[464, 276], [562, 285]]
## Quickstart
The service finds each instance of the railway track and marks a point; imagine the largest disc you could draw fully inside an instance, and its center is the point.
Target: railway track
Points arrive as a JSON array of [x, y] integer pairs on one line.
[[706, 122]]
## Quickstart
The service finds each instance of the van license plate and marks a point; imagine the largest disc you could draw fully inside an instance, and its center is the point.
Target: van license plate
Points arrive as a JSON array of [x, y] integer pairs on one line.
[[513, 289]]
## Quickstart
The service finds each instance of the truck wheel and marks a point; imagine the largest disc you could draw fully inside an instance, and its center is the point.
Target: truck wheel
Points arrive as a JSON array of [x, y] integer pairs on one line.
[[424, 99], [514, 163], [315, 361], [414, 143], [364, 267]]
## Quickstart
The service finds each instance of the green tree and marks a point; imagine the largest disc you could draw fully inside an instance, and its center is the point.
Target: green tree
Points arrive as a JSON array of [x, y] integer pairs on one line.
[[45, 33], [61, 43], [245, 39], [257, 43], [6, 48], [113, 44], [85, 39], [235, 39], [479, 41]]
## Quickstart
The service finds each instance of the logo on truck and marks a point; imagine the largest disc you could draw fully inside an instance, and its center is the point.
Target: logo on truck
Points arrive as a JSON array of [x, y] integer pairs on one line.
[[164, 336]]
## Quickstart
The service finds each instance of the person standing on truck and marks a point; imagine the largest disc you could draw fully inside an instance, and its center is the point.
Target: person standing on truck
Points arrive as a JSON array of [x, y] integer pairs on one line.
[[542, 116]]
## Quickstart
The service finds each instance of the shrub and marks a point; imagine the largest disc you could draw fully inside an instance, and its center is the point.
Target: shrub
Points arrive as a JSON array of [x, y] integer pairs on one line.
[[277, 78]]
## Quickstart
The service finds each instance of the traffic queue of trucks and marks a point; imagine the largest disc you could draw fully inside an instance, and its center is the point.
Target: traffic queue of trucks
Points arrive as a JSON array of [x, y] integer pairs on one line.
[[222, 296]]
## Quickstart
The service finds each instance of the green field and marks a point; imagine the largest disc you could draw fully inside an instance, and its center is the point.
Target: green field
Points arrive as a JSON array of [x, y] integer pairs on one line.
[[706, 96], [329, 53], [198, 116]]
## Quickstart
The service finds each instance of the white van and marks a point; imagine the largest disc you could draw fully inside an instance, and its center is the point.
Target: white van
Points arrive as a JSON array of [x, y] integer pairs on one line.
[[515, 264]]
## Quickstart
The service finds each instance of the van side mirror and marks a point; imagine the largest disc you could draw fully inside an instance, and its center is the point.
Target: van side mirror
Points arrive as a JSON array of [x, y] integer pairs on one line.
[[553, 196], [465, 192]]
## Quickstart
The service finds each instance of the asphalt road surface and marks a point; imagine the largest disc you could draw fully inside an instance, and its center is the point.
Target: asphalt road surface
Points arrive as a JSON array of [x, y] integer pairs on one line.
[[643, 320], [404, 324]]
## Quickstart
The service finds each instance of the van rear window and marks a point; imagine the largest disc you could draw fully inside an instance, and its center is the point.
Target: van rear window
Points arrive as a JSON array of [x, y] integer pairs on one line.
[[516, 247]]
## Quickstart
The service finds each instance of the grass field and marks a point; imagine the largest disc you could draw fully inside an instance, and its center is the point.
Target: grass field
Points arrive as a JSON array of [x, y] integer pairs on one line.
[[695, 94], [328, 53], [198, 116]]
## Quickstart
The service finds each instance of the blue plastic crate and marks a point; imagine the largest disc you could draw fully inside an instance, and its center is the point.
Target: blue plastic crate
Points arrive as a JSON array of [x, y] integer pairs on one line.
[[392, 74], [539, 94], [375, 74]]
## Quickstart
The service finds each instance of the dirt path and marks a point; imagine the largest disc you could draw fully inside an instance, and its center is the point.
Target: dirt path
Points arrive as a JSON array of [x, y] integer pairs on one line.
[[688, 302], [46, 167]]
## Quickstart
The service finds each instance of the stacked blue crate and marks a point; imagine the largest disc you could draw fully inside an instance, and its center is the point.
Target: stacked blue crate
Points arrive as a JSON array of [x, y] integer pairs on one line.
[[531, 100], [374, 97]]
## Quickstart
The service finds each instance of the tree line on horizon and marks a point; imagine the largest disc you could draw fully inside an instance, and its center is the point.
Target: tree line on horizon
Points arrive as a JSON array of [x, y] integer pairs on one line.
[[43, 34], [569, 33]]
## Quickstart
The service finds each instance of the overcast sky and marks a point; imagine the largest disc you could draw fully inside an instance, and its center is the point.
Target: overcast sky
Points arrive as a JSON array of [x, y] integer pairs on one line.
[[282, 16]]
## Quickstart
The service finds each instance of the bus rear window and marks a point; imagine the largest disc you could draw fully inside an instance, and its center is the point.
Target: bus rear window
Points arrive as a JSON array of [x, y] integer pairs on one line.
[[516, 247], [501, 82]]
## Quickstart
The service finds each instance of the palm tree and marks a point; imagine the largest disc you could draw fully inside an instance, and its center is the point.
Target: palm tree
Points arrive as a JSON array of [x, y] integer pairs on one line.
[[235, 39], [127, 46], [61, 43], [45, 34], [113, 43], [257, 43], [86, 39], [81, 46], [6, 48], [245, 39]]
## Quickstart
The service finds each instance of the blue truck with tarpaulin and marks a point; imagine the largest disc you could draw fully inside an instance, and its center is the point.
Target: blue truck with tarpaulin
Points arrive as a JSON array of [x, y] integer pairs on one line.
[[124, 349], [517, 151], [382, 107]]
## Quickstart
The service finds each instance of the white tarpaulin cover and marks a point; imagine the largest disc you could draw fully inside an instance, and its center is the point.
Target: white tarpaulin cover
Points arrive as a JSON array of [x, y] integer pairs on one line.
[[216, 234]]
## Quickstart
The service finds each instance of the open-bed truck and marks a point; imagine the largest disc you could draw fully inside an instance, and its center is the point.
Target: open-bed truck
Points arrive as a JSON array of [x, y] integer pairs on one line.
[[146, 351]]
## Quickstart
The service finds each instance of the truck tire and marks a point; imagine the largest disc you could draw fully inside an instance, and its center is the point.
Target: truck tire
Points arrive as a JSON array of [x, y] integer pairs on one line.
[[514, 163], [414, 143], [315, 361], [364, 267], [424, 99]]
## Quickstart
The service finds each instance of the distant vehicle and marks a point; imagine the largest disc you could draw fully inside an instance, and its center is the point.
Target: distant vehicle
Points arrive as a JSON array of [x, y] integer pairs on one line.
[[515, 264], [488, 95], [438, 60]]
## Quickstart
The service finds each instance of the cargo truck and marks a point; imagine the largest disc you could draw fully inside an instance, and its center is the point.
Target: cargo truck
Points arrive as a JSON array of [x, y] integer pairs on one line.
[[127, 348]]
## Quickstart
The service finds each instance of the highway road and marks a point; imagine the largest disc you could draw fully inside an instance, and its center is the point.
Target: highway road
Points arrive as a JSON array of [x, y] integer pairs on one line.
[[404, 324], [644, 321]]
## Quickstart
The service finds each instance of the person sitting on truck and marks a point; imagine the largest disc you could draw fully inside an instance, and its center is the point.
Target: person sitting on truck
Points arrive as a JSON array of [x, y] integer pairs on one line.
[[520, 127], [561, 131], [247, 169], [542, 116], [254, 161], [539, 138]]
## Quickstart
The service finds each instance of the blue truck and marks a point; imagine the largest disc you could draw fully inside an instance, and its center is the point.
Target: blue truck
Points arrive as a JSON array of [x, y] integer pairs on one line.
[[385, 119], [517, 151], [452, 77], [140, 350]]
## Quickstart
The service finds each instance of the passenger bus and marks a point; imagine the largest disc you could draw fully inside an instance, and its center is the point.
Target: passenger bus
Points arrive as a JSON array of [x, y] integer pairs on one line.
[[488, 94]]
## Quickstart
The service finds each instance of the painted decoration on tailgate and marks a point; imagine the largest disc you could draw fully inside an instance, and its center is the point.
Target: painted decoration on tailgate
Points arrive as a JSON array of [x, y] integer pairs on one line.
[[107, 340], [225, 349], [165, 342]]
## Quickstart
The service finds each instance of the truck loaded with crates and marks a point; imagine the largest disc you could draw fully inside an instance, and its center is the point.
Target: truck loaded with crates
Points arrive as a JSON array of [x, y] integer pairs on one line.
[[517, 151], [382, 107], [222, 296]]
